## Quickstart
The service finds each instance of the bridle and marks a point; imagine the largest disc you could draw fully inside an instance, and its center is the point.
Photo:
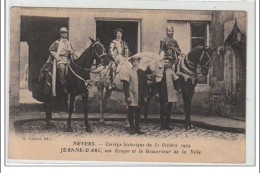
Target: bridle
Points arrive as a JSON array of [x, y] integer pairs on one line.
[[200, 65], [86, 82], [99, 56], [104, 50], [207, 64]]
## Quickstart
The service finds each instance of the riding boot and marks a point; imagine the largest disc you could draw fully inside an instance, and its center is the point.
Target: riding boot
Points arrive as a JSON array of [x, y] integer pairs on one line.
[[137, 120], [131, 119]]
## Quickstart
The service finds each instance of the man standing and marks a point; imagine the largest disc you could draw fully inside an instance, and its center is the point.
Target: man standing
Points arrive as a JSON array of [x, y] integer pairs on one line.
[[169, 46], [133, 89], [61, 50], [119, 52], [167, 93]]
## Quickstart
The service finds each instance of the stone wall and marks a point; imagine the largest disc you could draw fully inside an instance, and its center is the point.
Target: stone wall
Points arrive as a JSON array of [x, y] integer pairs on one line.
[[229, 68]]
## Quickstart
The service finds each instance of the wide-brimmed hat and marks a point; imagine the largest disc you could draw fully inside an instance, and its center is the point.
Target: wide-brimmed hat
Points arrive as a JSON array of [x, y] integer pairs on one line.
[[132, 58], [63, 29]]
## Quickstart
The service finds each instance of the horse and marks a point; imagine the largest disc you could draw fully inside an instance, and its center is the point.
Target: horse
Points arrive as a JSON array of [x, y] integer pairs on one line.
[[151, 66], [186, 69], [79, 82]]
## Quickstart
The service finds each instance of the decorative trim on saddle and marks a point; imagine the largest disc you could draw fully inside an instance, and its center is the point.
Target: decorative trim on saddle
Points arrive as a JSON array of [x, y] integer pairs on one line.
[[185, 71], [98, 69]]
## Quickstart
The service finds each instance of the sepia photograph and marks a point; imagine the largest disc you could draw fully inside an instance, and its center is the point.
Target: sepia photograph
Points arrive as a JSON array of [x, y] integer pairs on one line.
[[131, 85]]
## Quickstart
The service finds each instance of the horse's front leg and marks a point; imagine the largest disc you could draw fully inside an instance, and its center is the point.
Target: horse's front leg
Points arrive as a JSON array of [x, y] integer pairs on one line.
[[100, 89], [71, 109], [48, 111], [146, 104], [85, 108], [106, 97], [187, 94]]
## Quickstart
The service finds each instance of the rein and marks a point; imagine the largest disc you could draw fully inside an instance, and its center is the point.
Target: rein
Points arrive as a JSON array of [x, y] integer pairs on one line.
[[205, 65], [104, 53], [80, 67], [86, 82], [192, 65], [99, 56]]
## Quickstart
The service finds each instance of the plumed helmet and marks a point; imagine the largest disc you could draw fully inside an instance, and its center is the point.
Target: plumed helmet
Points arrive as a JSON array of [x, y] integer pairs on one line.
[[169, 27], [63, 29], [120, 30]]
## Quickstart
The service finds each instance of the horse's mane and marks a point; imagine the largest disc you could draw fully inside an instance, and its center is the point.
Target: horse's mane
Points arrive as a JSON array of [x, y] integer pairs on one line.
[[195, 53], [147, 59], [82, 60], [195, 50]]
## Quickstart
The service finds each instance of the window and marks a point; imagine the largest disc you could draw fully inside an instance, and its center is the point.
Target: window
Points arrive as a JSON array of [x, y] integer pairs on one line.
[[199, 33]]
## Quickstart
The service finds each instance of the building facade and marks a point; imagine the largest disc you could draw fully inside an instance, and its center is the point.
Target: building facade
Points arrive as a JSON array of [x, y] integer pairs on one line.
[[34, 29]]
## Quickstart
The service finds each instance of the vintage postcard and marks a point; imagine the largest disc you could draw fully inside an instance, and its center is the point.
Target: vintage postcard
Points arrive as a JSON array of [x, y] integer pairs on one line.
[[128, 85]]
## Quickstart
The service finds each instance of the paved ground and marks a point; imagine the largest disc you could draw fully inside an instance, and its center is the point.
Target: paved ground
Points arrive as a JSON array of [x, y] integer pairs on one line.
[[33, 123]]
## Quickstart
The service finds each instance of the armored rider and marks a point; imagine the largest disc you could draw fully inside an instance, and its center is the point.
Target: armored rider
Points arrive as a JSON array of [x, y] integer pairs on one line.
[[119, 52], [169, 47], [61, 50]]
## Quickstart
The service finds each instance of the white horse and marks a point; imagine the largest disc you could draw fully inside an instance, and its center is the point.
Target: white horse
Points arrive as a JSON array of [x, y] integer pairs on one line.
[[151, 63]]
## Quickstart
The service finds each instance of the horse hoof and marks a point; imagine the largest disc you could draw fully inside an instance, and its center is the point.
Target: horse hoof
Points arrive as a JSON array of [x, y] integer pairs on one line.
[[102, 121], [189, 127], [169, 128], [192, 127], [69, 129], [162, 128], [127, 125], [49, 125], [89, 129]]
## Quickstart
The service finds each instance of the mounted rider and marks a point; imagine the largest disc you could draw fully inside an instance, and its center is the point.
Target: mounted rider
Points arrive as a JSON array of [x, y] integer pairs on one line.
[[119, 52], [62, 50], [169, 47]]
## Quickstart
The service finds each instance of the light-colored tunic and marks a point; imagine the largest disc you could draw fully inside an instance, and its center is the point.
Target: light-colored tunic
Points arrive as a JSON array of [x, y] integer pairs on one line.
[[62, 48], [171, 92], [130, 76]]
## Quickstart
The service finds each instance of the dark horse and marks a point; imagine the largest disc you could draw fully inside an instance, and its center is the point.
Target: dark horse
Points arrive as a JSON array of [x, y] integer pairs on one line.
[[78, 81], [186, 69]]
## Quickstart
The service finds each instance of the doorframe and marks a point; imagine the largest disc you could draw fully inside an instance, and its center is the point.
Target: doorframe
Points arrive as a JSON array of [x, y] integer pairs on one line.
[[138, 20]]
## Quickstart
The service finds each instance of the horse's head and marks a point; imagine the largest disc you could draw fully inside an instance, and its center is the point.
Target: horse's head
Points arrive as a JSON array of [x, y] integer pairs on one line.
[[99, 52], [157, 68], [200, 56], [206, 60]]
